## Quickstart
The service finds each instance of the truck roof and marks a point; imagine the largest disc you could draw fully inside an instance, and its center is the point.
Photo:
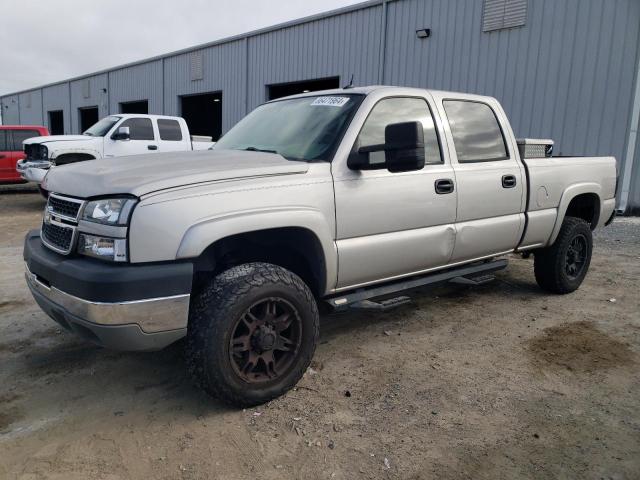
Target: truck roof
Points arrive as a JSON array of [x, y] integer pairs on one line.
[[366, 90], [138, 115], [22, 127]]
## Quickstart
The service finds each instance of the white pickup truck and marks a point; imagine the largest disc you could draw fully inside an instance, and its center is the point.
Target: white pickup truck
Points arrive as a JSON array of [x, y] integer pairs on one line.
[[113, 136], [330, 199]]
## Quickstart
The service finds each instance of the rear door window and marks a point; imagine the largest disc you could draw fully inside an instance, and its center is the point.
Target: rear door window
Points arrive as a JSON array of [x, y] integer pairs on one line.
[[476, 132], [20, 136], [3, 141], [169, 130], [139, 128]]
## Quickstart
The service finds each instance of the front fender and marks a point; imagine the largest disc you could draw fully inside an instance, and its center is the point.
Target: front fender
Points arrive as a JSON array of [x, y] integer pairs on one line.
[[69, 150], [569, 194], [208, 231]]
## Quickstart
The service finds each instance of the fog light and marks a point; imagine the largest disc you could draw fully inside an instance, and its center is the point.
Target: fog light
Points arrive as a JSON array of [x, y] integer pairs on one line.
[[113, 249]]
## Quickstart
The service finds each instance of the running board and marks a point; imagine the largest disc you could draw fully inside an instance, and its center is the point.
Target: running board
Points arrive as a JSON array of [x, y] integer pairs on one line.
[[475, 274]]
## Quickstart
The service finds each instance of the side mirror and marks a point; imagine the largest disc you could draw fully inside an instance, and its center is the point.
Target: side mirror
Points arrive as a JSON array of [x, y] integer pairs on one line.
[[404, 146], [122, 133], [403, 150]]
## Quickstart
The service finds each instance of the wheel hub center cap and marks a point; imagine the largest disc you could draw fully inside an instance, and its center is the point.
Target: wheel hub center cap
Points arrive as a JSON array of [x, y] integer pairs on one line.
[[264, 339]]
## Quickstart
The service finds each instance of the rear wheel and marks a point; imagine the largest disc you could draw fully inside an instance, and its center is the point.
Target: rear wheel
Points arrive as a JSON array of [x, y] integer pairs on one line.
[[562, 267], [252, 333]]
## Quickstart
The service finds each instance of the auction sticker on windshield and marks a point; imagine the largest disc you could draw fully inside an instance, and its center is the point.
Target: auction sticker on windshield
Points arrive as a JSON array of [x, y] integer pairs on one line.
[[330, 101]]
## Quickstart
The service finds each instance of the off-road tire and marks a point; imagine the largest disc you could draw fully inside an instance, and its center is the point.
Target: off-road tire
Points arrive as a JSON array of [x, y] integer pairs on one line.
[[549, 263], [213, 315]]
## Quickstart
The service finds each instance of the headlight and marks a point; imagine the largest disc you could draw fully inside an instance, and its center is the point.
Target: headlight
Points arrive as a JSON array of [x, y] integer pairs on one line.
[[110, 211], [113, 249]]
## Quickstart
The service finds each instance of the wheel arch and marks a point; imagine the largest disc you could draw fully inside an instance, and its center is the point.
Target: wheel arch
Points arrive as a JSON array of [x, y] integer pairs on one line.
[[299, 240], [582, 200]]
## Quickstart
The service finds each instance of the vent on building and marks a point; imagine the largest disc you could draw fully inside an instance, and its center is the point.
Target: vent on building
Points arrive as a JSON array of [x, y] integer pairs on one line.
[[86, 89], [499, 14], [196, 66]]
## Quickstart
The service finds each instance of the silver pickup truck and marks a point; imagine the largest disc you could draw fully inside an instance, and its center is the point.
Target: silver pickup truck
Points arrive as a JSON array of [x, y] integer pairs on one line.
[[330, 199]]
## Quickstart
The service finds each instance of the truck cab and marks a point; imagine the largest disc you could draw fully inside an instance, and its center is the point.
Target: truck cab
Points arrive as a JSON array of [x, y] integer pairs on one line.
[[11, 152]]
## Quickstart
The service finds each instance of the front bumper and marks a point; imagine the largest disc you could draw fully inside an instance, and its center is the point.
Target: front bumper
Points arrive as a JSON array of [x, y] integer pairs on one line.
[[124, 307], [33, 171]]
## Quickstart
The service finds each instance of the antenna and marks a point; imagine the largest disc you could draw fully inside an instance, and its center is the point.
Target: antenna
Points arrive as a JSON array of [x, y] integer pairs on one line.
[[350, 83]]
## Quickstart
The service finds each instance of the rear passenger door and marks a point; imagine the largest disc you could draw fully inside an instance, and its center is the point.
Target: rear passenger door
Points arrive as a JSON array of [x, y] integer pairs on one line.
[[171, 137], [490, 180], [142, 139]]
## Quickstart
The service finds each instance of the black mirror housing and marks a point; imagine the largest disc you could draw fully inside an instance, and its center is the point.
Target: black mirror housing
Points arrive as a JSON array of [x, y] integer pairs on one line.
[[404, 146], [122, 133]]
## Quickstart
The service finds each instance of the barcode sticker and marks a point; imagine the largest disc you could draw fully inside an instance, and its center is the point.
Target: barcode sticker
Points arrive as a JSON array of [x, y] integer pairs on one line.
[[330, 101]]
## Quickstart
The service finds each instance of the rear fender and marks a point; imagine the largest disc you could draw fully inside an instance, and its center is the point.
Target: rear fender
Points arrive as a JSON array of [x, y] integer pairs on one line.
[[569, 194]]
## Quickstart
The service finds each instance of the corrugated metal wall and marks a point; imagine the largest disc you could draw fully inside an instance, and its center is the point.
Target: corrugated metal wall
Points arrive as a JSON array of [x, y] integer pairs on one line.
[[89, 92], [568, 74], [138, 82], [31, 107], [336, 46], [223, 70], [56, 97]]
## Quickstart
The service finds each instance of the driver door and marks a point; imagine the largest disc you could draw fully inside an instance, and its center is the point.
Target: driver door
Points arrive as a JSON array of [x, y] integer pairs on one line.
[[391, 225], [142, 139]]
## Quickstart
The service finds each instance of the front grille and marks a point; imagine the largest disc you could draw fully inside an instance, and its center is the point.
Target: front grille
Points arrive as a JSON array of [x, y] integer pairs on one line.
[[57, 236], [60, 206], [35, 151]]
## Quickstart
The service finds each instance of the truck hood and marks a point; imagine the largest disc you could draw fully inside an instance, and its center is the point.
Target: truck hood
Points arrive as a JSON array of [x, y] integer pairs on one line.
[[142, 174], [58, 138]]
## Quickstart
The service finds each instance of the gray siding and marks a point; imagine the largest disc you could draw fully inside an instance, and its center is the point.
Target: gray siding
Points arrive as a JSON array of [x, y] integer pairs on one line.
[[567, 74], [89, 92], [56, 97], [10, 110], [336, 46], [223, 70], [31, 107], [138, 82]]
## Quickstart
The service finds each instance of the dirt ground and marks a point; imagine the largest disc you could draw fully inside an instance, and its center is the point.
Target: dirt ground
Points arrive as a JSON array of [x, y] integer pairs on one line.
[[500, 381]]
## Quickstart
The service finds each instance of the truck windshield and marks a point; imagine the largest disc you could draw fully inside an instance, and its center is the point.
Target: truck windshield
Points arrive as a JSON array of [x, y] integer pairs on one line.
[[307, 128], [101, 128]]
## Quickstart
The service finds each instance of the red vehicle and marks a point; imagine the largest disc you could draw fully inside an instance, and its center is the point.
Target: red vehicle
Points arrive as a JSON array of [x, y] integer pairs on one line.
[[11, 138]]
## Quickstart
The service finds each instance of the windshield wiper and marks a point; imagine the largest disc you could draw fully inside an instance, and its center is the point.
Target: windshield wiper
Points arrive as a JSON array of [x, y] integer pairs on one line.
[[255, 149]]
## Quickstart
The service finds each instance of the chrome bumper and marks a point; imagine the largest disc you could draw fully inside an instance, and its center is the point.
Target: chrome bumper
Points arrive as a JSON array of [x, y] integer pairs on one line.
[[34, 171], [148, 324]]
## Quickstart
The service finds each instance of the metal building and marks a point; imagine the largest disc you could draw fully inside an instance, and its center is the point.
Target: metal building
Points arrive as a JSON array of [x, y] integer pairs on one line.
[[563, 69]]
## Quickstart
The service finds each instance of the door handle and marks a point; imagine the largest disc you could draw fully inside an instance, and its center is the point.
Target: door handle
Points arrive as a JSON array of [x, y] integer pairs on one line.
[[508, 181], [444, 185], [152, 147]]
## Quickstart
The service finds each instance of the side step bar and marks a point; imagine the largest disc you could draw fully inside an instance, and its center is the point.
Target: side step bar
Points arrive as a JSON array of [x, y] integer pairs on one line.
[[475, 274]]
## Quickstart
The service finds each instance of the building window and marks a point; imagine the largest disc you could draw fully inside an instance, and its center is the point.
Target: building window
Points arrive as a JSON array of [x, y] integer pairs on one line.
[[499, 14]]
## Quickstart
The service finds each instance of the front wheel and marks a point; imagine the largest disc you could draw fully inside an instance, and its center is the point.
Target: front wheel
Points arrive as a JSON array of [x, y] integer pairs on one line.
[[252, 333], [561, 268]]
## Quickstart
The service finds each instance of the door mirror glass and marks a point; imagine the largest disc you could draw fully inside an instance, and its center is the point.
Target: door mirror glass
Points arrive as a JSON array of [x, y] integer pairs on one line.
[[403, 150], [122, 133]]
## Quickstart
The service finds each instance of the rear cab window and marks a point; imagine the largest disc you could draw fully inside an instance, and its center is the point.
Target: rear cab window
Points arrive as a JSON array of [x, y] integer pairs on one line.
[[476, 132], [169, 130], [3, 141]]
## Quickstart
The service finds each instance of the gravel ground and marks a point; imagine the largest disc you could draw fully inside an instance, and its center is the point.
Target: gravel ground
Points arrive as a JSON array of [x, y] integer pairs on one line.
[[498, 381]]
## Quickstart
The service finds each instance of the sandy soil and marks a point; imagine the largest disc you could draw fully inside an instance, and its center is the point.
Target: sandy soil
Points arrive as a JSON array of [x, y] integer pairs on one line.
[[492, 382]]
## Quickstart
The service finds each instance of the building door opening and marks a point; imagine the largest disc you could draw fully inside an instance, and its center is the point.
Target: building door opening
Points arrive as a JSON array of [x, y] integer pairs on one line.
[[139, 106], [88, 116], [203, 114], [56, 122], [293, 88]]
